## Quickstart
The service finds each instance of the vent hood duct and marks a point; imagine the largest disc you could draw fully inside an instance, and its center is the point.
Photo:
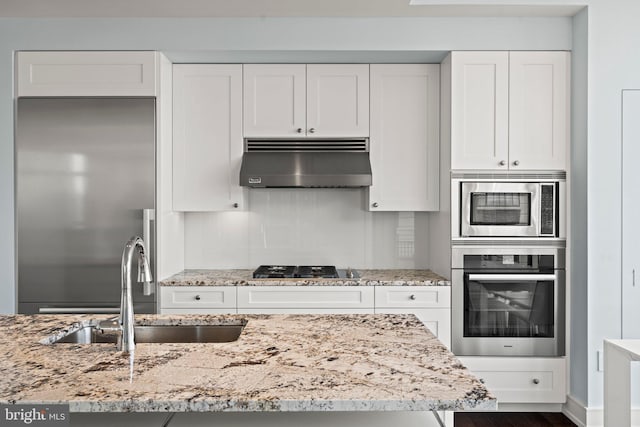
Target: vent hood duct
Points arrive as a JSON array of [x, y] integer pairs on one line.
[[306, 163]]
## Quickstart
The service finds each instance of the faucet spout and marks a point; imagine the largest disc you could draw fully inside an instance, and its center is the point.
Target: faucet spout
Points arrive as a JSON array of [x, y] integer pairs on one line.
[[126, 320]]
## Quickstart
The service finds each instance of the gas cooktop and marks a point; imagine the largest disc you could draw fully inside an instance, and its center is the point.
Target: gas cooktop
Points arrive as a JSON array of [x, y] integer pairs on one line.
[[302, 271]]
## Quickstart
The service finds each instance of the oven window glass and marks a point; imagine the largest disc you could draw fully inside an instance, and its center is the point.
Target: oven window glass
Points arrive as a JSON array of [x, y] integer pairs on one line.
[[501, 209], [508, 309]]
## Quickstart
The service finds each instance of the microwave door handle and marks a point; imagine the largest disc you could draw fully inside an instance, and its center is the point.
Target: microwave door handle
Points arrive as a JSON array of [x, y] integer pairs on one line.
[[511, 277]]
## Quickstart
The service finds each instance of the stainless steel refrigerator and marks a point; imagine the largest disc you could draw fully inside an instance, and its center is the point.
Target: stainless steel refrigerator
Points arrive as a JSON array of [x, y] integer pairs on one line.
[[85, 184]]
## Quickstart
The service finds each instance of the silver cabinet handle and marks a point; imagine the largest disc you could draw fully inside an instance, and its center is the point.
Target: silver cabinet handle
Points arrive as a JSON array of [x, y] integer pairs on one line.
[[511, 277], [299, 130], [502, 163], [312, 130], [536, 381], [197, 297], [516, 162], [412, 297], [374, 204]]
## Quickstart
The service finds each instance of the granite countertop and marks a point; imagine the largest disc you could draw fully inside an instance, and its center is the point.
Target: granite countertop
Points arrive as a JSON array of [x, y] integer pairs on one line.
[[279, 363], [244, 278]]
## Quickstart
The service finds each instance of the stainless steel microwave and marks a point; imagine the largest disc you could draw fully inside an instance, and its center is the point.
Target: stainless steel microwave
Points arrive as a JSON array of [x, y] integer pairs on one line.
[[509, 206]]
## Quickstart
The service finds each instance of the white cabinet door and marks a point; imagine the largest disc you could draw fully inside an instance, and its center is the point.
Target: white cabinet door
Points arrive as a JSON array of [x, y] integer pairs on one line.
[[302, 299], [404, 144], [338, 100], [521, 379], [479, 110], [274, 100], [86, 73], [207, 137], [538, 110]]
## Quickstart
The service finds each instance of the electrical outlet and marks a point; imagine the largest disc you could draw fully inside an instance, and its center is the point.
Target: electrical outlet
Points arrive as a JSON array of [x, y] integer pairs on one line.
[[599, 361]]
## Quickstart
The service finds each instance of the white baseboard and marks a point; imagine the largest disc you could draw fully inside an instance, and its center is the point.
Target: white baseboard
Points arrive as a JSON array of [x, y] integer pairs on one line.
[[583, 416], [576, 411]]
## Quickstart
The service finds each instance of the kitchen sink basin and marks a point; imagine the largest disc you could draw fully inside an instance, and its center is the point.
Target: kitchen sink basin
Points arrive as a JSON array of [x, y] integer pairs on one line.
[[158, 334]]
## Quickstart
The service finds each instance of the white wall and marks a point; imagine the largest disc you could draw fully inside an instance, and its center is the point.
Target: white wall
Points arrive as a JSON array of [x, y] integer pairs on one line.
[[578, 319]]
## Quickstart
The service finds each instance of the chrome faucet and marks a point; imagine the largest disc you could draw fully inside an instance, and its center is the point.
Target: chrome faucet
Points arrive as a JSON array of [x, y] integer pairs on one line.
[[125, 321]]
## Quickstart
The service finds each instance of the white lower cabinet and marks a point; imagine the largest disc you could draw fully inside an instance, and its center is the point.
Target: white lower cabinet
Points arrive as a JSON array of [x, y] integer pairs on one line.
[[521, 379], [305, 299], [431, 304], [197, 299]]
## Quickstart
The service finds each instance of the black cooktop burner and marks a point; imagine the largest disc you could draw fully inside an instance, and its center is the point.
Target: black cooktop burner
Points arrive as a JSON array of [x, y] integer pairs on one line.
[[274, 272], [289, 271], [325, 271]]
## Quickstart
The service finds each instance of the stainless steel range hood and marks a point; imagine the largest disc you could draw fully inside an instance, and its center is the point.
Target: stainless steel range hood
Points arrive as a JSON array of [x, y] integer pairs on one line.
[[306, 163]]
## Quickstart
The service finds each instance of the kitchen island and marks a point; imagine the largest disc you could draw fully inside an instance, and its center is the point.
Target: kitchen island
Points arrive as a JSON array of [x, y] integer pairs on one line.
[[280, 363]]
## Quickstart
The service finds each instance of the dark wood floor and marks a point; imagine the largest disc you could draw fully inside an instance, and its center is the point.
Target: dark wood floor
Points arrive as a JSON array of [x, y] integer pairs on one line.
[[512, 419]]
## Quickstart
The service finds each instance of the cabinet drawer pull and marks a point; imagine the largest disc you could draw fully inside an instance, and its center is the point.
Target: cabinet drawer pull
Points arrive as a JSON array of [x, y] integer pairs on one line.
[[236, 205], [374, 204], [412, 297], [516, 162], [299, 130], [197, 297], [536, 381], [502, 163], [312, 130]]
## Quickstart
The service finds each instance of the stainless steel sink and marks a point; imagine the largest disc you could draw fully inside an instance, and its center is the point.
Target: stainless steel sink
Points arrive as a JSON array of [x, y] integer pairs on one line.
[[158, 334]]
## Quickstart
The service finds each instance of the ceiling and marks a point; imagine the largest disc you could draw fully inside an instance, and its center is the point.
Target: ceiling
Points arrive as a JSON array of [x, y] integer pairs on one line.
[[263, 9]]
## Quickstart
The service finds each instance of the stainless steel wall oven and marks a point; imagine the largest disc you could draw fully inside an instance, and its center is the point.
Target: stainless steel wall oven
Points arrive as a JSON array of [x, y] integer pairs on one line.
[[508, 301]]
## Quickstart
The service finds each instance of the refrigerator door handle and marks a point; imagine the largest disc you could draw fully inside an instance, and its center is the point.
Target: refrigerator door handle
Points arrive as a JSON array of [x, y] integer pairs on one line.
[[148, 215]]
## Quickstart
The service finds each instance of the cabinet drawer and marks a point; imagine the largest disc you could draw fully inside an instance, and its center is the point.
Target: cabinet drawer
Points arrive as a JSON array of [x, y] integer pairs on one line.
[[305, 311], [198, 310], [413, 296], [521, 380], [198, 297], [305, 297], [86, 74]]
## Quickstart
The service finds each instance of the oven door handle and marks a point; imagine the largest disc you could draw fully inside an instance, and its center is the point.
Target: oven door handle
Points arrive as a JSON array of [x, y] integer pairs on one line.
[[512, 277]]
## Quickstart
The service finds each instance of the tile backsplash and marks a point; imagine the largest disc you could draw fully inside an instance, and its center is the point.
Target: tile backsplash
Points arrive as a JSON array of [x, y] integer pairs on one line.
[[306, 226]]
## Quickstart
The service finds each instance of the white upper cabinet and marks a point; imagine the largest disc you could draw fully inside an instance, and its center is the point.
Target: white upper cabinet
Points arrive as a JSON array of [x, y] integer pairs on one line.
[[479, 110], [316, 100], [274, 100], [538, 110], [207, 137], [338, 100], [509, 110], [404, 145], [81, 73]]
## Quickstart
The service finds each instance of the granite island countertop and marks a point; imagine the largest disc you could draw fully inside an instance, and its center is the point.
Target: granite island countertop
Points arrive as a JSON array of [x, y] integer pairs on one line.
[[279, 363], [400, 277]]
